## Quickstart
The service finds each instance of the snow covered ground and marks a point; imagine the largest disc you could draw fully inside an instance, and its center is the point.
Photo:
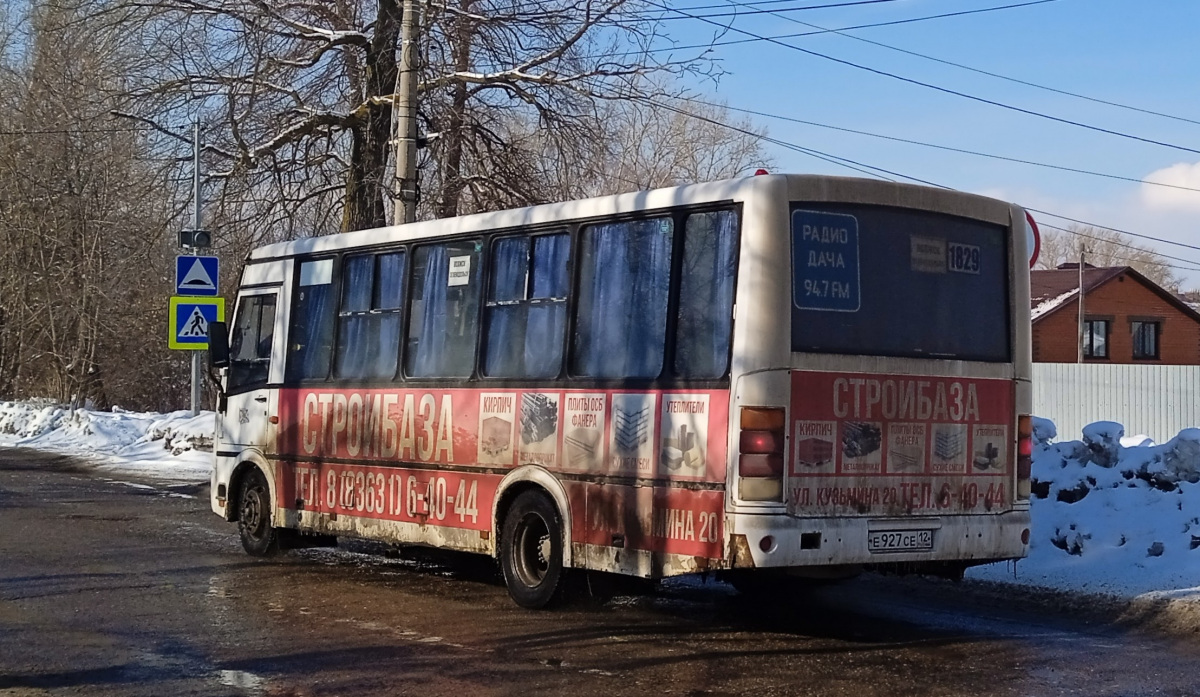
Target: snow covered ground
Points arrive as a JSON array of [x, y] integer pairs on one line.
[[1112, 514], [175, 447]]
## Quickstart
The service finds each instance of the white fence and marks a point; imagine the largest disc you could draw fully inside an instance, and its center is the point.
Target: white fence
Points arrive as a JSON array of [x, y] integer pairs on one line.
[[1154, 400]]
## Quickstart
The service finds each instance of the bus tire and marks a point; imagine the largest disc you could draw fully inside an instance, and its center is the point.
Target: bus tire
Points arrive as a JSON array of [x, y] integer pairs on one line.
[[531, 551], [259, 539]]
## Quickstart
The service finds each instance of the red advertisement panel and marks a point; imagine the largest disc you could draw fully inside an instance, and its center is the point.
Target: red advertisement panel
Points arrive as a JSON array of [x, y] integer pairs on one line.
[[655, 434], [449, 499], [870, 444], [656, 519]]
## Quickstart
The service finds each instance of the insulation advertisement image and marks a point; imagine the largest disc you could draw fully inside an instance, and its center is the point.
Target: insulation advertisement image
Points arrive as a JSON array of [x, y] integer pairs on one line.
[[869, 444], [684, 434]]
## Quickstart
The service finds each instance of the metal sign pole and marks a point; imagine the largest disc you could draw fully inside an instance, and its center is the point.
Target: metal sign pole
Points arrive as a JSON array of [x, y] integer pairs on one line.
[[196, 226]]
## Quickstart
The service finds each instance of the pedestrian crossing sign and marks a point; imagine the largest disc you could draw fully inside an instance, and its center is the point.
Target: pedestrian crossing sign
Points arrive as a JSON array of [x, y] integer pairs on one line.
[[190, 318]]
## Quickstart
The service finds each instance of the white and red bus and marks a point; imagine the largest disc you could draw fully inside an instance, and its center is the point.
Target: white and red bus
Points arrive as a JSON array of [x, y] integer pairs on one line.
[[782, 373]]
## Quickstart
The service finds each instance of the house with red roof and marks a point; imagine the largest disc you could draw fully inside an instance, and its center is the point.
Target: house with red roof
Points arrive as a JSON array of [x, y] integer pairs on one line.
[[1127, 318]]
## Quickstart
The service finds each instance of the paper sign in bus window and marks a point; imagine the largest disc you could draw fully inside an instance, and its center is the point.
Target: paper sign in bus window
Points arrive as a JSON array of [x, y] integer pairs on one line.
[[497, 412], [539, 428], [460, 271], [684, 436], [927, 254]]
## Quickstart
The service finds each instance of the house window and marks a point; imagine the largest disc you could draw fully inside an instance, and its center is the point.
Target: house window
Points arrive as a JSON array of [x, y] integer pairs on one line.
[[1095, 338], [1145, 340]]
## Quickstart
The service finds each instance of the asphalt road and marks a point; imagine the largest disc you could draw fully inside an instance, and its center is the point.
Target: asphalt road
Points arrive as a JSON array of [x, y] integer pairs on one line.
[[132, 588]]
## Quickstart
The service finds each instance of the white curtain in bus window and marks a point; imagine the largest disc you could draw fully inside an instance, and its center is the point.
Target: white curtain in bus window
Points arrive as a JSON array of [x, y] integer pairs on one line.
[[369, 317], [310, 339], [250, 342], [444, 310], [526, 306], [621, 318], [705, 318]]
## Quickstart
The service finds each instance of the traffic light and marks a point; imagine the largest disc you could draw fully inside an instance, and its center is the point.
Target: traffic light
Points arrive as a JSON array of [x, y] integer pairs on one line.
[[195, 238]]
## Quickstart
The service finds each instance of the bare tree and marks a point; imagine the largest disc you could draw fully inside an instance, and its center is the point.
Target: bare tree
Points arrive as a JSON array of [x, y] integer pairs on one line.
[[665, 142], [1105, 248], [79, 217], [299, 94]]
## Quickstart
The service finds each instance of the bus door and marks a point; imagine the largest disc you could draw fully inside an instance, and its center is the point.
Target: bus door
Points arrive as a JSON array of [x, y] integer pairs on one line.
[[244, 422]]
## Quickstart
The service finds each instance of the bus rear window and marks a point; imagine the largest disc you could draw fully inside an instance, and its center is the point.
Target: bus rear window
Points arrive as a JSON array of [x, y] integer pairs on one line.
[[878, 281]]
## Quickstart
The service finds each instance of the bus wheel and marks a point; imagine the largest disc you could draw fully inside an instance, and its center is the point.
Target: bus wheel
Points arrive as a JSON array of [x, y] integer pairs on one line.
[[254, 516], [531, 552]]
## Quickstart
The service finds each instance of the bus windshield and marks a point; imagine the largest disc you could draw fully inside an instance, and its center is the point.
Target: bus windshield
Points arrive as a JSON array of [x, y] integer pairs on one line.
[[882, 281]]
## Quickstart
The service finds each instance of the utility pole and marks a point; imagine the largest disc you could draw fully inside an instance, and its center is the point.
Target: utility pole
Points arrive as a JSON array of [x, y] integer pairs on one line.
[[1082, 254], [195, 252], [406, 116]]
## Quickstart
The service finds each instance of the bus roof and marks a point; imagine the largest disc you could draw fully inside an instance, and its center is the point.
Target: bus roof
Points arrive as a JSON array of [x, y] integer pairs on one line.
[[688, 194]]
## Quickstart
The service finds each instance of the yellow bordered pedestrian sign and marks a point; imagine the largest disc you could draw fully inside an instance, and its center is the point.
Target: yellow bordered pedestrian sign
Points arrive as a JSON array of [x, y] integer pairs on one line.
[[189, 320]]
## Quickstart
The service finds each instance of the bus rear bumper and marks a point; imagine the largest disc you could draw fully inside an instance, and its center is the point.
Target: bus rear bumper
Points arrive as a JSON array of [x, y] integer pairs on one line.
[[780, 541]]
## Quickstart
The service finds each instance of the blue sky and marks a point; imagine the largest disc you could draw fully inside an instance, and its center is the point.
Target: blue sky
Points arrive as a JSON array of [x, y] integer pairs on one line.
[[1137, 52]]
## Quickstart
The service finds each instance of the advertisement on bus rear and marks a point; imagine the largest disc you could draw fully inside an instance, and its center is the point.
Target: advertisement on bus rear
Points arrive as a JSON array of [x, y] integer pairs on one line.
[[870, 444]]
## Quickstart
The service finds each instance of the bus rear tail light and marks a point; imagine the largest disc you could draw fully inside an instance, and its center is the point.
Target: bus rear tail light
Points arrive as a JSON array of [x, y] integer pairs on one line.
[[760, 458], [1024, 455]]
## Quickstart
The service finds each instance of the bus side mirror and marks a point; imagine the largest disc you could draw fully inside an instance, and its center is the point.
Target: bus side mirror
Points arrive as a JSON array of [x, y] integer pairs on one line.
[[218, 345]]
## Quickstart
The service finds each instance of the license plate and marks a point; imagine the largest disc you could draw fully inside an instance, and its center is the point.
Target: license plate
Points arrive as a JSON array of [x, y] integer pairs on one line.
[[899, 541]]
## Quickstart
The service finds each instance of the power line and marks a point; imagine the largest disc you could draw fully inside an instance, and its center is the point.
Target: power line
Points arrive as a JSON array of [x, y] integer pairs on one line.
[[842, 32], [1107, 227], [735, 42], [57, 131], [872, 170], [945, 90], [781, 10], [809, 7], [1195, 267], [948, 148]]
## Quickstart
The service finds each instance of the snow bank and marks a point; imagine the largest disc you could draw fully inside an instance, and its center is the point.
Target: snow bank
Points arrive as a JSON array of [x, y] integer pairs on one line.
[[1112, 514], [175, 447]]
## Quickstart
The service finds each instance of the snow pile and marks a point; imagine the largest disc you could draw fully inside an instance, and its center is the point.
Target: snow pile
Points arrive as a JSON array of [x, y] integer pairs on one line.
[[1112, 514], [175, 446]]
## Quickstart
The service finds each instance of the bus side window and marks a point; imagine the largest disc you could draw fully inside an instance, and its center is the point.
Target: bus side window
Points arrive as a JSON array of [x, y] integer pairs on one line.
[[369, 316], [310, 337], [624, 282], [705, 322], [250, 342], [444, 310], [526, 306]]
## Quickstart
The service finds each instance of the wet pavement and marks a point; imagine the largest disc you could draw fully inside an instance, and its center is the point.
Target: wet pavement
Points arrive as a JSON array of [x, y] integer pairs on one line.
[[111, 586]]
